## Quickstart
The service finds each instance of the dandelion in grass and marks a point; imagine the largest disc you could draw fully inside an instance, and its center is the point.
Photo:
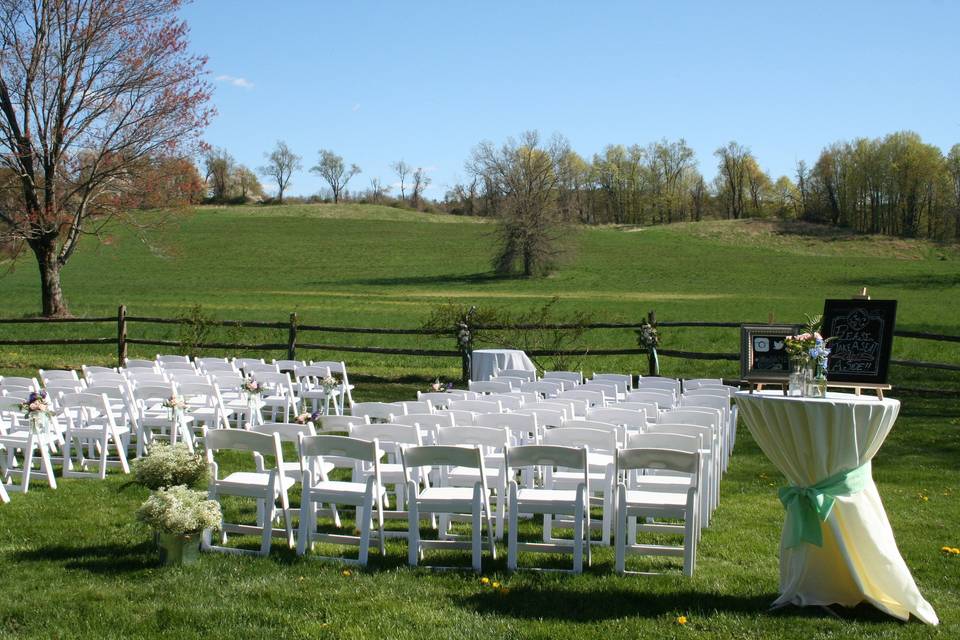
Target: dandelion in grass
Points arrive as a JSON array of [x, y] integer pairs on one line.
[[485, 580], [681, 620], [346, 573]]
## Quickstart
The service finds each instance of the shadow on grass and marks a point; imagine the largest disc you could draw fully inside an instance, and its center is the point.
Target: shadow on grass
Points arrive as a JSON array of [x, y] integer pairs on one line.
[[916, 281], [106, 559], [441, 279]]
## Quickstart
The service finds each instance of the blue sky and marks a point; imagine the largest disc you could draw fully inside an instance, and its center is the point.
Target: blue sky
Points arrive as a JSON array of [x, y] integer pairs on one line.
[[427, 81]]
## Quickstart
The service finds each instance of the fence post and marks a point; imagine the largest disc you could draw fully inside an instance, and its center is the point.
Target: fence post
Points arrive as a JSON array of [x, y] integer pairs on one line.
[[122, 335], [292, 338], [653, 362]]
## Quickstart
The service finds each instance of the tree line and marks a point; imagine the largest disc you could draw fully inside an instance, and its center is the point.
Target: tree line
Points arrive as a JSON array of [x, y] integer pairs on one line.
[[895, 185]]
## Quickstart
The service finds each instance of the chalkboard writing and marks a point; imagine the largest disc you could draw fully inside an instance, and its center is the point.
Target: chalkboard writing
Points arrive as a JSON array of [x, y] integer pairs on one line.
[[862, 337], [763, 352]]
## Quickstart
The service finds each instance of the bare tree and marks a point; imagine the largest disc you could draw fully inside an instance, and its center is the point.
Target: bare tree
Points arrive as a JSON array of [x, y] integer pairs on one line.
[[88, 89], [220, 168], [732, 177], [281, 163], [378, 190], [402, 169], [245, 183], [332, 169], [525, 177], [420, 182]]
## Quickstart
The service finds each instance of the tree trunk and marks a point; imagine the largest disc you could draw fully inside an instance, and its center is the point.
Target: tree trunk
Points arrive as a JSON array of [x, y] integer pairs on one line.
[[51, 295]]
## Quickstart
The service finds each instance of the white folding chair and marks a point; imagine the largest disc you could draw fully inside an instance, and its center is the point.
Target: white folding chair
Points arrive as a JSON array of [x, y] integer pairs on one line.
[[415, 406], [633, 504], [440, 498], [346, 388], [440, 399], [90, 424], [696, 383], [155, 421], [623, 380], [477, 406], [47, 375], [612, 389], [655, 383], [32, 443], [630, 419], [377, 411], [391, 437], [508, 401], [460, 417], [318, 489], [590, 398], [710, 478], [309, 388], [517, 373], [573, 377], [492, 442], [546, 500], [279, 396], [543, 388], [489, 386], [265, 485], [663, 398], [428, 423]]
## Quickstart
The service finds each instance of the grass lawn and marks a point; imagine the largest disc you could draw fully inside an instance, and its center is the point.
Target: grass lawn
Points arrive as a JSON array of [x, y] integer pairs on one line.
[[73, 564]]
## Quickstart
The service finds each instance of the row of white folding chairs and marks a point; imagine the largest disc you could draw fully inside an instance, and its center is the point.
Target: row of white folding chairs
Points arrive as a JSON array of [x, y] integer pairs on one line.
[[459, 467]]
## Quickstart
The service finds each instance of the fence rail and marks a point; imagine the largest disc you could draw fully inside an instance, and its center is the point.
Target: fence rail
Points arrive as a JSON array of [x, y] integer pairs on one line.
[[294, 338]]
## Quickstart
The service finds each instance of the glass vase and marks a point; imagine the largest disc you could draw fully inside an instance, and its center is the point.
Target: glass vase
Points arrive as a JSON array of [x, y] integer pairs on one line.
[[816, 382], [797, 379]]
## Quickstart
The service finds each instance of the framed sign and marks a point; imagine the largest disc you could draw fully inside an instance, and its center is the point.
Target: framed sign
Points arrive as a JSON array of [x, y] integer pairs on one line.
[[862, 337], [763, 352]]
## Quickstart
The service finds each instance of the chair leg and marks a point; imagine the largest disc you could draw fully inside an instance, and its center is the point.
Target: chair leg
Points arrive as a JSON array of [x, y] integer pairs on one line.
[[104, 450], [512, 531], [27, 465], [621, 539], [476, 535], [268, 528], [365, 511], [303, 531], [121, 453], [583, 503], [47, 466], [413, 532]]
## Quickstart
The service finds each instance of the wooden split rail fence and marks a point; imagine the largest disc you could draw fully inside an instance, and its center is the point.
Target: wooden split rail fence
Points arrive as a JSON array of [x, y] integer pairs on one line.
[[295, 333]]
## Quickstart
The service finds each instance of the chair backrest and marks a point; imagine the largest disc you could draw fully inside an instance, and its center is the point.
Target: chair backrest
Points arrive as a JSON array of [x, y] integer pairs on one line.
[[377, 410], [545, 388], [704, 434], [489, 386], [514, 382], [596, 440], [20, 381], [660, 460], [664, 440], [388, 432], [172, 358], [576, 377], [138, 363], [170, 367], [460, 417], [186, 377], [518, 373], [116, 392], [523, 427], [288, 366], [89, 370], [279, 382], [340, 446], [508, 401], [662, 398], [255, 368], [216, 367], [606, 427], [593, 398], [266, 444], [705, 416], [286, 431], [630, 418], [146, 378], [333, 365], [649, 408], [545, 417], [710, 402], [338, 424], [105, 377], [718, 392], [624, 379], [568, 406], [414, 406], [86, 403], [442, 455], [645, 383], [64, 385], [310, 373], [426, 421], [477, 436], [242, 363], [696, 383], [611, 388], [544, 455], [477, 406], [47, 375]]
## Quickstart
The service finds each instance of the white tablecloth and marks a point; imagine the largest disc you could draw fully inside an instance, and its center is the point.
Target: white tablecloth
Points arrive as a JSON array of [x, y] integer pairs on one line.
[[486, 362], [810, 440]]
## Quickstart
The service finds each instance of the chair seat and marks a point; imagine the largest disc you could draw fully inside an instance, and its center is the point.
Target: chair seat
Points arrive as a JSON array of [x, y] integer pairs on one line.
[[445, 495], [665, 483], [355, 490], [656, 499], [530, 497], [252, 479], [458, 475]]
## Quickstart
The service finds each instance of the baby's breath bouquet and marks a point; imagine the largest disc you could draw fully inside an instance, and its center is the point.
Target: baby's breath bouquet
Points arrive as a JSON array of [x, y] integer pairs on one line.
[[180, 511], [167, 466]]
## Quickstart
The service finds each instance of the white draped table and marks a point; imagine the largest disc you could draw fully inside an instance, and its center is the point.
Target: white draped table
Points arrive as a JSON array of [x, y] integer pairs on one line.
[[812, 440], [486, 362]]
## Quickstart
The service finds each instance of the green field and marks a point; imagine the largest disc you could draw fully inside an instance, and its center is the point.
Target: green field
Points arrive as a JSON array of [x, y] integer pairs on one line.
[[74, 565]]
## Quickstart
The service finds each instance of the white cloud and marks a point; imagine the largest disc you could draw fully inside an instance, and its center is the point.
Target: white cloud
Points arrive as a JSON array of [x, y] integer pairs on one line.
[[235, 81]]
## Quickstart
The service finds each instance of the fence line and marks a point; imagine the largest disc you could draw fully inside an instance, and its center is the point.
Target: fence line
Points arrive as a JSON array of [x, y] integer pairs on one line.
[[294, 330]]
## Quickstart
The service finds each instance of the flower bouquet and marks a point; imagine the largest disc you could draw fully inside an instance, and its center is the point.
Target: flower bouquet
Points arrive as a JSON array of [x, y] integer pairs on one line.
[[329, 384], [649, 339], [439, 386], [251, 387], [37, 411], [808, 351], [179, 515], [305, 417]]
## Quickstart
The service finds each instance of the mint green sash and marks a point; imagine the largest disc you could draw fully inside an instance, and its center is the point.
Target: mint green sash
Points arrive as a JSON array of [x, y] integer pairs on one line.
[[807, 507]]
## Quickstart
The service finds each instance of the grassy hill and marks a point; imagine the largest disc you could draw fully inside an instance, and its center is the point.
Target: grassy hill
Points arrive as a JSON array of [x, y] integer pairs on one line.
[[379, 266]]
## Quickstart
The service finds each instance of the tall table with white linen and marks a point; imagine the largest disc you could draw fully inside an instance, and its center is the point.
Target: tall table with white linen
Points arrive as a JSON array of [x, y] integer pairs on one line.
[[811, 440], [486, 362]]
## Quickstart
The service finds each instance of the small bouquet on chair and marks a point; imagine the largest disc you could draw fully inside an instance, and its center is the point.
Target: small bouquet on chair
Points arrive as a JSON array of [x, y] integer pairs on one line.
[[175, 406], [251, 387], [37, 411], [329, 384], [439, 386], [305, 417]]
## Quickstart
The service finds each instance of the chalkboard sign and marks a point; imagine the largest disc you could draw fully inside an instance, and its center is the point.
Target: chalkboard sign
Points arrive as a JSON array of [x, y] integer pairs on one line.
[[763, 352], [862, 332]]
